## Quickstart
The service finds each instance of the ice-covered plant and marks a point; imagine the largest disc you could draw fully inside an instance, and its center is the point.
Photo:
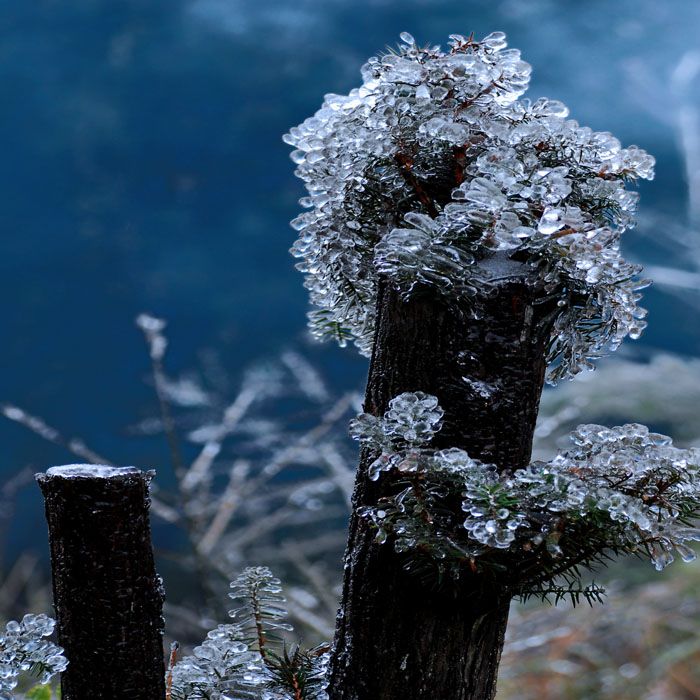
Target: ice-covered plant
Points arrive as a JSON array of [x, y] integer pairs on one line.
[[468, 238], [247, 659], [621, 490], [24, 647], [434, 162]]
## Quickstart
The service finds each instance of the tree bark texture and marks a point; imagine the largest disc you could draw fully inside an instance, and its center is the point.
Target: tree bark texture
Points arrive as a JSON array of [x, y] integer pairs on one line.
[[107, 595], [395, 638]]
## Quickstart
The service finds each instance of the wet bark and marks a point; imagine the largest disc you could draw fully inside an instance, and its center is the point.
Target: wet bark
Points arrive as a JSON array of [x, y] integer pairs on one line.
[[107, 595], [397, 639]]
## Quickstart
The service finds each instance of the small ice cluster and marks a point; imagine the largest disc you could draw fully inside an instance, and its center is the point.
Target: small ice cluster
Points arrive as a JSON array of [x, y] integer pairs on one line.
[[23, 647], [619, 489], [233, 661], [410, 423], [223, 665], [434, 161]]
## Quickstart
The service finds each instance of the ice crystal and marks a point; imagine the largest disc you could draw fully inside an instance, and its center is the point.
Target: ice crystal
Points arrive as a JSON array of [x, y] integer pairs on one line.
[[223, 666], [412, 419], [433, 161], [236, 660], [621, 489], [23, 647]]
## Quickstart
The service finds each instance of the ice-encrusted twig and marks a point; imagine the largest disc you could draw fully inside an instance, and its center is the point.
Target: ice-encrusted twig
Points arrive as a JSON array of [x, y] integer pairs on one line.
[[152, 329], [340, 471], [211, 449], [237, 475], [37, 425]]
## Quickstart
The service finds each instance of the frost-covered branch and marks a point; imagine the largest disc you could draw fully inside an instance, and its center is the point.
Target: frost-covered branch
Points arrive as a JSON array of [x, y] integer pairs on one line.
[[37, 425], [620, 490]]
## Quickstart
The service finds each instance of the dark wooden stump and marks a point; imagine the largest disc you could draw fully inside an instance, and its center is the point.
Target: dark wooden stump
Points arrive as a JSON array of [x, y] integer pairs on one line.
[[107, 595], [395, 638]]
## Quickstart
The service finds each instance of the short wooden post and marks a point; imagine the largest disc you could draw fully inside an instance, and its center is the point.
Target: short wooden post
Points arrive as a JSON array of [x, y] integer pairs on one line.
[[107, 595]]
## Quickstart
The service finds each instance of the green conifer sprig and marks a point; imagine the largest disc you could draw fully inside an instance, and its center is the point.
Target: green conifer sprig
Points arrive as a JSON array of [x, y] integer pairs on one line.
[[295, 670]]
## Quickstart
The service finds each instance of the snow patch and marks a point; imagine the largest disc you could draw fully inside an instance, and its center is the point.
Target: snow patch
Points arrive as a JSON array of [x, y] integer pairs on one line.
[[91, 471]]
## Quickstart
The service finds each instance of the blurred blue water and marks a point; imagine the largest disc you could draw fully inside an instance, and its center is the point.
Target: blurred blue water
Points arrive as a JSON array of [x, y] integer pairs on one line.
[[142, 169]]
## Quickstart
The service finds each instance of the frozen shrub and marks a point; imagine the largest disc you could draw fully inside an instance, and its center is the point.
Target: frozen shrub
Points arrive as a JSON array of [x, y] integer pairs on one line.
[[434, 161]]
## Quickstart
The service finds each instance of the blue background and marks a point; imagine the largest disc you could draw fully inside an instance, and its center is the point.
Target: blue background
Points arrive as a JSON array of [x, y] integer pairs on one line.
[[142, 169]]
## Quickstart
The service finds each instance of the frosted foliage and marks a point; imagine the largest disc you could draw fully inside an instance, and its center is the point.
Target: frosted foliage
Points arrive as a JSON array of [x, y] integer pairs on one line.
[[233, 662], [411, 421], [221, 667], [650, 488], [262, 604], [434, 161], [23, 647], [622, 489]]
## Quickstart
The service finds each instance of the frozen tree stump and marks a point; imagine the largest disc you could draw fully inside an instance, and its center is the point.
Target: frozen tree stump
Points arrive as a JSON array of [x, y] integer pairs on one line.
[[107, 595], [397, 639]]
